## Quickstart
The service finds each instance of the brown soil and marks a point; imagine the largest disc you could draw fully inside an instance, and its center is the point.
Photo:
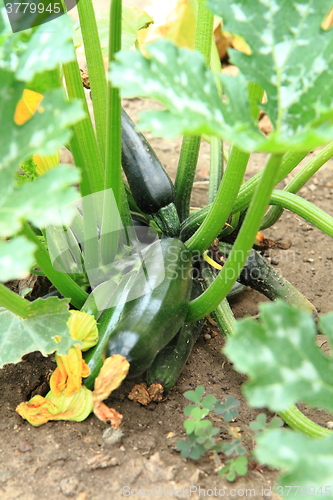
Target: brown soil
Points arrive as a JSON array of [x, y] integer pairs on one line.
[[85, 461]]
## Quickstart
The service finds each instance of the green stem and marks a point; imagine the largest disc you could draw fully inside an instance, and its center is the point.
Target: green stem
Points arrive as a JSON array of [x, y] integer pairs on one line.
[[62, 281], [222, 205], [228, 189], [13, 302], [223, 314], [83, 144], [305, 209], [289, 162], [97, 78], [113, 178], [185, 174], [299, 422], [191, 144], [215, 168], [218, 291], [274, 213]]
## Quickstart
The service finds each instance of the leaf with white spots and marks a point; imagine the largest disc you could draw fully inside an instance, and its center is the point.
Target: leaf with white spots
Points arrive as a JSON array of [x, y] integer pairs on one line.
[[40, 201], [292, 59], [16, 258], [279, 355], [44, 330], [179, 79], [44, 133], [306, 463], [50, 45]]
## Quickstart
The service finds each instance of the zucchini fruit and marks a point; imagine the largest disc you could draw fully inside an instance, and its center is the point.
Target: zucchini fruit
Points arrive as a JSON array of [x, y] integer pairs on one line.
[[150, 185], [106, 324], [170, 361], [149, 322], [260, 275]]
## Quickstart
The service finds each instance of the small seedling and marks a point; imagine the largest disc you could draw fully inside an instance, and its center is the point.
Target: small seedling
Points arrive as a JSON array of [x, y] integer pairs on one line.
[[201, 435]]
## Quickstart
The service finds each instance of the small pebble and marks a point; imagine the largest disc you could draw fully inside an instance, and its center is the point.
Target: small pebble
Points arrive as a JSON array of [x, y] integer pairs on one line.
[[207, 336], [68, 486], [275, 261], [24, 446]]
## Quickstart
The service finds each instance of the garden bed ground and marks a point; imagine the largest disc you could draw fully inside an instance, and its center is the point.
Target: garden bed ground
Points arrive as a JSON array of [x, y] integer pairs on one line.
[[78, 460]]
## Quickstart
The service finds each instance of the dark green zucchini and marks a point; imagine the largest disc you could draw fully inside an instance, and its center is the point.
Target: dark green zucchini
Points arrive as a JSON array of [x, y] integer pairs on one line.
[[106, 324], [260, 275], [150, 185], [171, 360], [151, 321]]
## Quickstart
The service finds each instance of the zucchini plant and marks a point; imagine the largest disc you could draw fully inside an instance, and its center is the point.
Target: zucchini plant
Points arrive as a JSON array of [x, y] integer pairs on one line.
[[104, 254]]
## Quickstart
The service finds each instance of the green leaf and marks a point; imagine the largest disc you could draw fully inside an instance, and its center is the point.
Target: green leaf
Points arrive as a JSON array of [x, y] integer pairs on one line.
[[259, 424], [16, 258], [189, 426], [188, 410], [275, 423], [50, 45], [133, 20], [195, 395], [281, 359], [234, 446], [228, 409], [292, 59], [190, 450], [237, 466], [44, 133], [199, 413], [209, 402], [44, 330], [180, 80], [39, 201], [307, 463], [240, 465]]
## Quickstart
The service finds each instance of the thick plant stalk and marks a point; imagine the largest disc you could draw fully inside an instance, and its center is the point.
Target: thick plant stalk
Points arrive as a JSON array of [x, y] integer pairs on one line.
[[113, 178], [97, 77], [223, 314], [289, 162], [218, 291], [299, 422], [228, 189], [13, 302], [305, 209], [83, 144], [191, 144], [274, 213]]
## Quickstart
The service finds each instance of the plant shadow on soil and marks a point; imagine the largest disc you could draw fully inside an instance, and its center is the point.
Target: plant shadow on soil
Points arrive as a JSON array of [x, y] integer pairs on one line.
[[81, 460]]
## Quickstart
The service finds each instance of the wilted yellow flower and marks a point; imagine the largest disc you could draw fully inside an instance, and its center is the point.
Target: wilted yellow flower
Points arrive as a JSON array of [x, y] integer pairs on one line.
[[40, 410], [67, 377]]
